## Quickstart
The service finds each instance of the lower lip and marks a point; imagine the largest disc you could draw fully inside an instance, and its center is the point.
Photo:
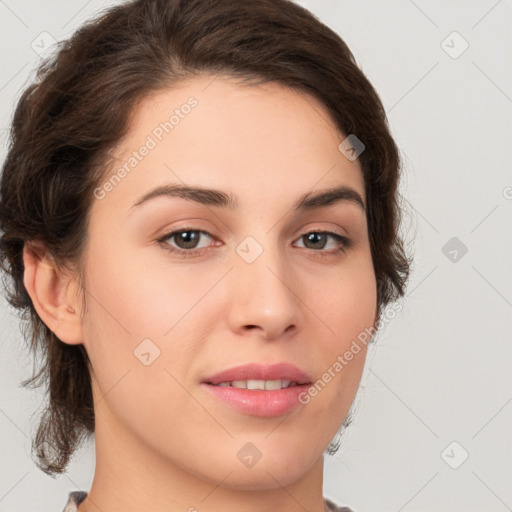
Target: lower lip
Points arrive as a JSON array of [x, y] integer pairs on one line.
[[258, 402]]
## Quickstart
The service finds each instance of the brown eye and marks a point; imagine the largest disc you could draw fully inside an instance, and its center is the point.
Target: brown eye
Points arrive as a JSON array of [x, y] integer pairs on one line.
[[318, 240], [185, 240]]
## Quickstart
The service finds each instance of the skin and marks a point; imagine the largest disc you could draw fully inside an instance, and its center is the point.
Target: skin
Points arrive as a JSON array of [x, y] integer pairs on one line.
[[162, 442]]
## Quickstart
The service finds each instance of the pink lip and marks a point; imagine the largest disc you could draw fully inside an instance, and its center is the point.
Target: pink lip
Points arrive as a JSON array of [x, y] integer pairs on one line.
[[257, 402], [256, 371]]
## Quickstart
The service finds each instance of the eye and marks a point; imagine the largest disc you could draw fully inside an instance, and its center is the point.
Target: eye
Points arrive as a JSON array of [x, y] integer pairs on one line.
[[318, 241], [186, 240]]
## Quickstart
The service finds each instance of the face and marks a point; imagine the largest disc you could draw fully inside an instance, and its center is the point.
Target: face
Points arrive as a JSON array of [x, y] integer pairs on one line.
[[245, 284]]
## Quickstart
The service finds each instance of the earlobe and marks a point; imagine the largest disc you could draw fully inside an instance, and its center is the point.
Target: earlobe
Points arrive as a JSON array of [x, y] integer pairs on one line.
[[49, 290]]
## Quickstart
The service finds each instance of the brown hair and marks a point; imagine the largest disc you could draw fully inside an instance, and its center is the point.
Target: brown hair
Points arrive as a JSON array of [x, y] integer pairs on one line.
[[79, 107]]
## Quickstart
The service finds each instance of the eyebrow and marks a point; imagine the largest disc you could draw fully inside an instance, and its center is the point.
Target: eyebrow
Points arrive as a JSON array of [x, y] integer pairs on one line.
[[212, 197]]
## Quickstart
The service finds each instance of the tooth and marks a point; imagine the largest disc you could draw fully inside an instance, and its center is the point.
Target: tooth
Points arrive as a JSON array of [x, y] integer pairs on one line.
[[274, 384], [269, 385], [256, 384]]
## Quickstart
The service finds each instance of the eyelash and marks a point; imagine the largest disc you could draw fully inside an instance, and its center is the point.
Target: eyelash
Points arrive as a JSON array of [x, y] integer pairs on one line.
[[345, 243]]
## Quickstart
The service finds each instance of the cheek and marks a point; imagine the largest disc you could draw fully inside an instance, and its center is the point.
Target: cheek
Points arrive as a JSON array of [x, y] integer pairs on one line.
[[132, 314], [143, 297], [348, 307], [347, 300], [131, 301]]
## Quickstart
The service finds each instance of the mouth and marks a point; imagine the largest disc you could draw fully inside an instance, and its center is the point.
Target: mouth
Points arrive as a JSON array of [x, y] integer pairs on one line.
[[253, 374], [263, 385], [259, 390]]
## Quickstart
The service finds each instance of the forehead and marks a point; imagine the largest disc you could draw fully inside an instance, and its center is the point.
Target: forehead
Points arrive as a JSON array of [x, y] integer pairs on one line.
[[247, 139]]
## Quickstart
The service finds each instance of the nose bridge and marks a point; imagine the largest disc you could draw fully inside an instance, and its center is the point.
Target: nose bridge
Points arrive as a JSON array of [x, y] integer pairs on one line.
[[262, 293]]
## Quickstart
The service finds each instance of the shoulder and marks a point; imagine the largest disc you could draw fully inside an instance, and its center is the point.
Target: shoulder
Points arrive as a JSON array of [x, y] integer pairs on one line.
[[330, 506], [74, 499]]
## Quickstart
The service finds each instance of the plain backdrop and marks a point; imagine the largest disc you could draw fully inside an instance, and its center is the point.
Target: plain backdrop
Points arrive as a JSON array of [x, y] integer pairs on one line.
[[432, 429]]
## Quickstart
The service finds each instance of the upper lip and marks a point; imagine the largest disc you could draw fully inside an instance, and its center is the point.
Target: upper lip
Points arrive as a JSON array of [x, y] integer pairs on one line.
[[258, 371]]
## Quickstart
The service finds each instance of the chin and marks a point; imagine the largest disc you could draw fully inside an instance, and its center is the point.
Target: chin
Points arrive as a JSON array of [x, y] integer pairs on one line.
[[263, 477], [274, 469]]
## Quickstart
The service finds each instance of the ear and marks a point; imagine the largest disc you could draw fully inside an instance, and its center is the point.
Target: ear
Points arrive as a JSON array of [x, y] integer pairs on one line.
[[53, 294]]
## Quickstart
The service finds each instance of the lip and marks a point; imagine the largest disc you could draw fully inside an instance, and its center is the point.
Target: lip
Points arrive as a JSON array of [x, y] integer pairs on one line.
[[256, 371], [256, 402]]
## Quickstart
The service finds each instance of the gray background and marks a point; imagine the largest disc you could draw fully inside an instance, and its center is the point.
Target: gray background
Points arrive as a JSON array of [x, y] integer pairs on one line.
[[441, 370]]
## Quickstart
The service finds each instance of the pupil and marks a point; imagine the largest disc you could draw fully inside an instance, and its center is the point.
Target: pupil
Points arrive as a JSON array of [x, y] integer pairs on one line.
[[315, 238], [188, 238]]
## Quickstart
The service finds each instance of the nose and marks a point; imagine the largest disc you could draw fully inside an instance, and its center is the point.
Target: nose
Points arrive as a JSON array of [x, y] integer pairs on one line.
[[263, 298]]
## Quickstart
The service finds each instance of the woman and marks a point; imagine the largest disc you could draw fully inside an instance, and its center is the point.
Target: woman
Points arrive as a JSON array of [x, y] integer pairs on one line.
[[200, 219]]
